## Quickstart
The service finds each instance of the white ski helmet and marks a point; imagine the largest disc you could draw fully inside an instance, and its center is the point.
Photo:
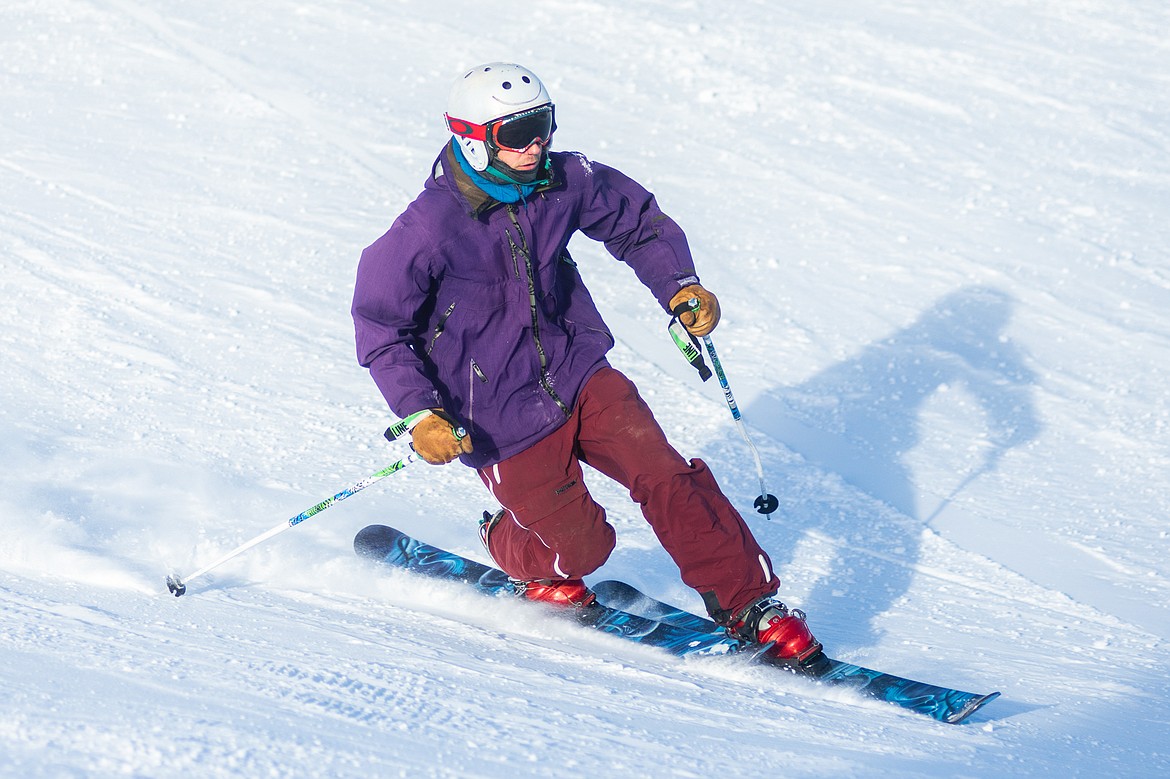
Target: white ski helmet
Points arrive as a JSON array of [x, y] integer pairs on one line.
[[486, 93]]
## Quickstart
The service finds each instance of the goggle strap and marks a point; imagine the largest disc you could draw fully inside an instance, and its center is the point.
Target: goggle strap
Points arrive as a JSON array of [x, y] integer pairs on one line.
[[465, 129]]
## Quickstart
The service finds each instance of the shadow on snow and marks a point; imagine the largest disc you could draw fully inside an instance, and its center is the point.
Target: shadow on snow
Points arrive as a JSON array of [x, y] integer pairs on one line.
[[863, 418]]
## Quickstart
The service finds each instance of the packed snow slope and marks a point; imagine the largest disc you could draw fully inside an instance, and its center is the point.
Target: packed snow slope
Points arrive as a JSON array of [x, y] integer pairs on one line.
[[939, 232]]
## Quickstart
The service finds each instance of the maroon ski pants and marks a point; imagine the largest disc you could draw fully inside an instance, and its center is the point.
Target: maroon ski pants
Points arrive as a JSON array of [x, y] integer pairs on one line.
[[553, 529]]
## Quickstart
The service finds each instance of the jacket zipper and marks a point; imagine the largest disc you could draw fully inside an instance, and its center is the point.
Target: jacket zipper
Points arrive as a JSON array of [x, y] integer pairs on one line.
[[440, 325], [545, 379], [475, 372]]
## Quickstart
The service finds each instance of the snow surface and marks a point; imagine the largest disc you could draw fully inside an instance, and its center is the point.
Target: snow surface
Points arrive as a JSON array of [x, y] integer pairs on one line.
[[939, 232]]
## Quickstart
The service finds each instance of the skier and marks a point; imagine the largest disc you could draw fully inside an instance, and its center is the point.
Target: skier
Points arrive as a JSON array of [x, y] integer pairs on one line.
[[471, 316]]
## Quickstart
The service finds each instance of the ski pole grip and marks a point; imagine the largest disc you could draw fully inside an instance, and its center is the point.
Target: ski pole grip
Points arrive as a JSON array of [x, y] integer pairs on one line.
[[686, 307]]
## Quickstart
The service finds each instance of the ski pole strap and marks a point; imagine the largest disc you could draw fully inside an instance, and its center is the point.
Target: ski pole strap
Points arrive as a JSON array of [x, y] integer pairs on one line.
[[400, 428], [687, 343]]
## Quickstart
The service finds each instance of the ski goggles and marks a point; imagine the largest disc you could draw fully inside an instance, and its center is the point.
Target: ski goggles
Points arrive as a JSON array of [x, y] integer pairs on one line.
[[511, 133]]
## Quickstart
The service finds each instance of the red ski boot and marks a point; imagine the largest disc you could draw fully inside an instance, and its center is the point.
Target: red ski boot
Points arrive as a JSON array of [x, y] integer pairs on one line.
[[559, 592], [785, 634]]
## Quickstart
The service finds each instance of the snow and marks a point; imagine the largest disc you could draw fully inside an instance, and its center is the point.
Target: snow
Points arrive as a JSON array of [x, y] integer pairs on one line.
[[938, 231]]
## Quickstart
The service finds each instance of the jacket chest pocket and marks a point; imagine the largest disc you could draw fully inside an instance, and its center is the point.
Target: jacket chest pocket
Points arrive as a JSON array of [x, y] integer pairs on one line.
[[469, 317]]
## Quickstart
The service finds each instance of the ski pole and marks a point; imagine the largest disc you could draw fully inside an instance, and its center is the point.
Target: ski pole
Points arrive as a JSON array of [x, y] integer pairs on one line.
[[766, 503], [178, 586]]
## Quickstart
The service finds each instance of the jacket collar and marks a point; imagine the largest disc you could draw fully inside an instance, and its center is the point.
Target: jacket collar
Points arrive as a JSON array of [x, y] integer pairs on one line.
[[478, 202]]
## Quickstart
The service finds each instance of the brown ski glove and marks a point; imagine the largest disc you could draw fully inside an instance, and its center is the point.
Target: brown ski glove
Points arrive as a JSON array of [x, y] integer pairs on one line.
[[703, 321], [436, 439]]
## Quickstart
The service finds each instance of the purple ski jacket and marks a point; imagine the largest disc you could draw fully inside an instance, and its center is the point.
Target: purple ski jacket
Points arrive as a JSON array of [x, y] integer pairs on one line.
[[476, 307]]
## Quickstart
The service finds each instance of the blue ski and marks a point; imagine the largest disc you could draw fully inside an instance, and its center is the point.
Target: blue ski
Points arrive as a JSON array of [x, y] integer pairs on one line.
[[941, 703], [624, 611], [393, 547]]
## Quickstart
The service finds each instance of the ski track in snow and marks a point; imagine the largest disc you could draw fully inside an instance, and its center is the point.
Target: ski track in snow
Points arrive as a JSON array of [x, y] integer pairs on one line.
[[938, 232]]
